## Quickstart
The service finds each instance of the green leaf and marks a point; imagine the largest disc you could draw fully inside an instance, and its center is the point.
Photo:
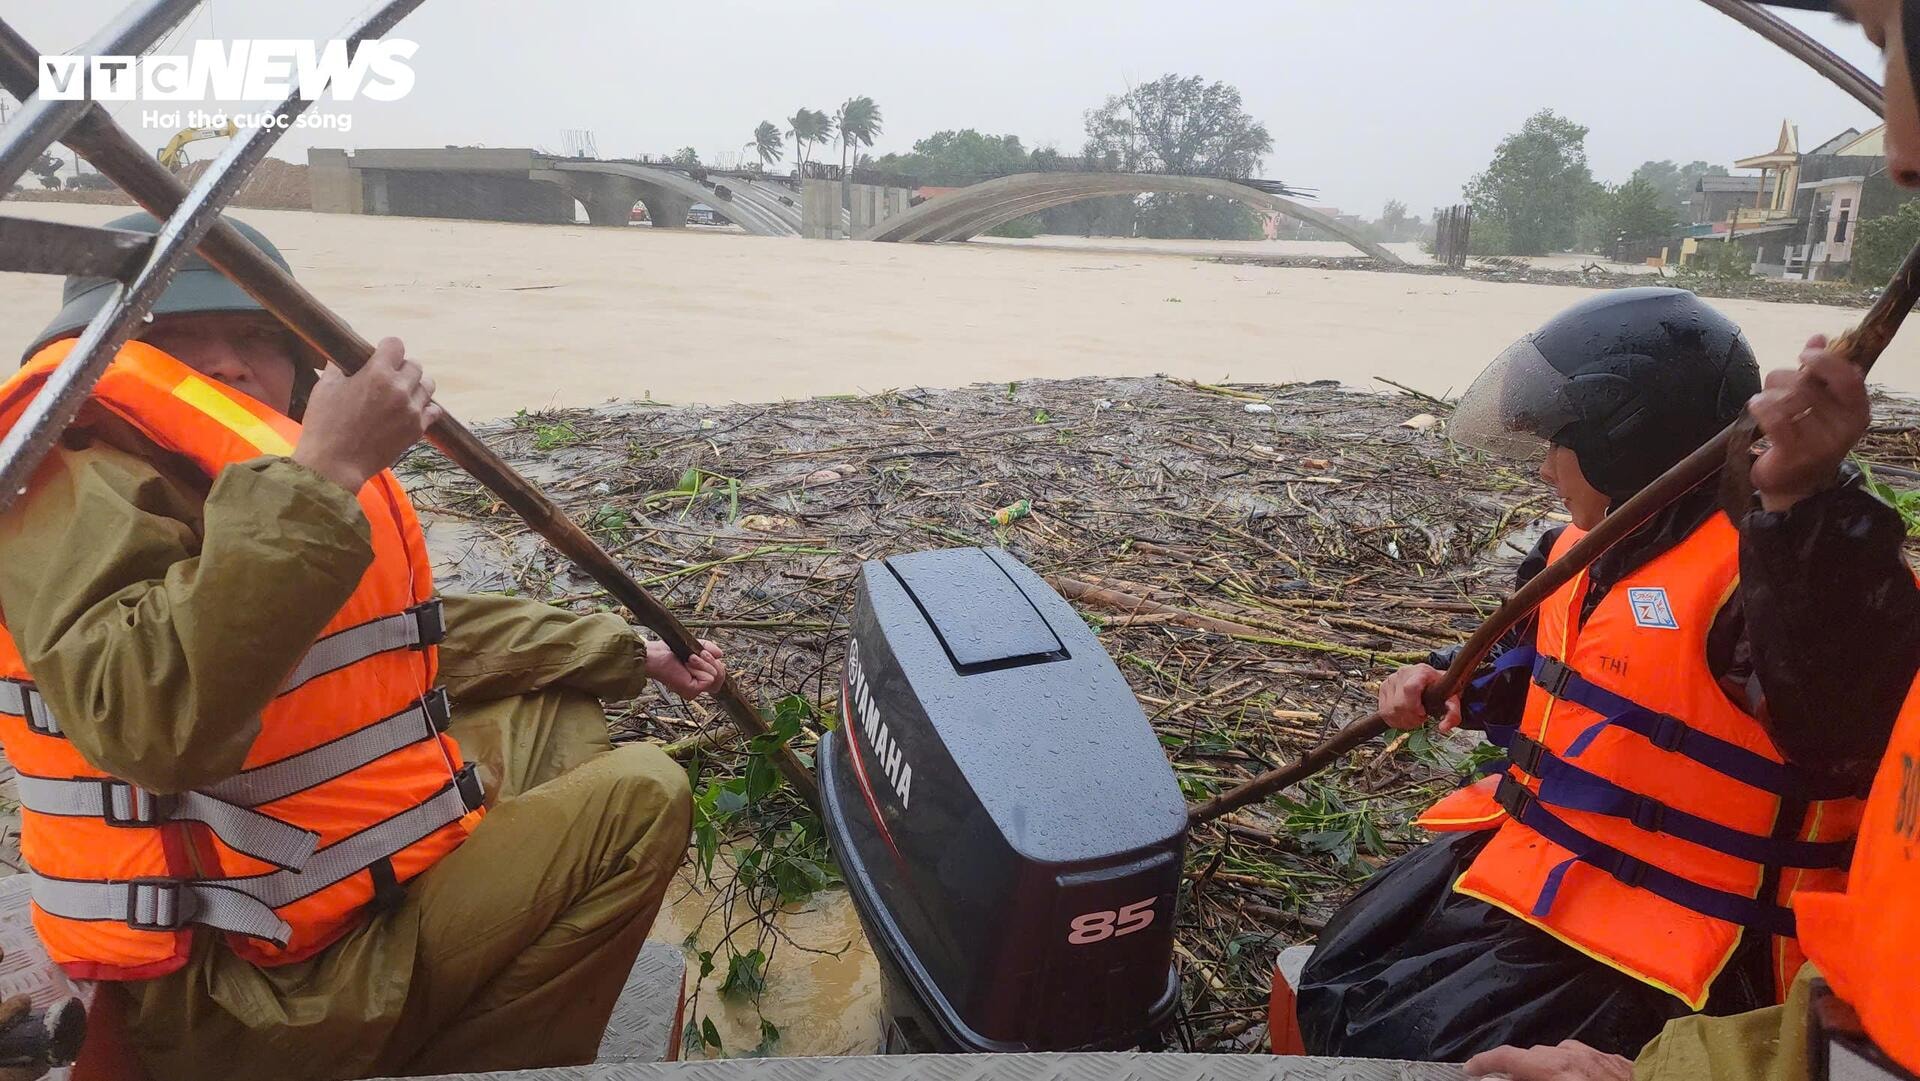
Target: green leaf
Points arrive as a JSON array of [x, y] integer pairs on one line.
[[769, 1038], [708, 1034], [746, 975], [730, 801], [706, 963]]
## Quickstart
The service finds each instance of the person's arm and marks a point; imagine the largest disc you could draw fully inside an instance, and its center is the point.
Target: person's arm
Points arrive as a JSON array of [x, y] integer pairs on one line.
[[157, 649], [1832, 613], [1500, 701], [498, 646], [1833, 625]]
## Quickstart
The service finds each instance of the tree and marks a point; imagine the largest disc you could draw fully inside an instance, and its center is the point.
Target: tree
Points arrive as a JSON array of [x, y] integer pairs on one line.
[[47, 168], [1537, 184], [1880, 244], [768, 143], [1633, 221], [1675, 183], [859, 122], [1183, 126], [686, 155], [806, 127], [1394, 221], [956, 158]]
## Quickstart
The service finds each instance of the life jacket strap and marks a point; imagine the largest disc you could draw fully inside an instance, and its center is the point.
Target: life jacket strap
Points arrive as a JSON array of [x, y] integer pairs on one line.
[[245, 906], [21, 700], [1563, 784], [225, 807], [1669, 733], [118, 803], [416, 628], [1529, 811]]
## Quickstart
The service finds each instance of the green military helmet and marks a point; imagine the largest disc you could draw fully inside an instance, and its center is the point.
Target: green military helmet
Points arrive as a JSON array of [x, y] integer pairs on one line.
[[197, 288]]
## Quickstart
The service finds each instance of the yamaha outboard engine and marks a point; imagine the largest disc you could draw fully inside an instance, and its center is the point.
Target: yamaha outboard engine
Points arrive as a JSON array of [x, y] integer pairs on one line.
[[1005, 818]]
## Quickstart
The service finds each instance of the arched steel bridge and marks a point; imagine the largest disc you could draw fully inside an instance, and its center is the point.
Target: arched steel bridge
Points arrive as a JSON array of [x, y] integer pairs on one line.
[[966, 213]]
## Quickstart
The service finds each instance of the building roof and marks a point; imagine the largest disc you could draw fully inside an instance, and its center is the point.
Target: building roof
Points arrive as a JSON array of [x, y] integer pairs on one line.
[[1835, 144], [1831, 182], [1785, 152], [1742, 184], [1871, 145]]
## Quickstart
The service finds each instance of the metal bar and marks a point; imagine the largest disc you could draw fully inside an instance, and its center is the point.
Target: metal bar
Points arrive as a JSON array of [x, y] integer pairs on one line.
[[129, 165], [1817, 56], [51, 247], [39, 428], [42, 121]]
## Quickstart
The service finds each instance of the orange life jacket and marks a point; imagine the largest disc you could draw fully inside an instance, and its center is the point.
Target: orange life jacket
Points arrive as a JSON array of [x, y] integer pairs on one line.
[[351, 787], [1866, 941], [1643, 818]]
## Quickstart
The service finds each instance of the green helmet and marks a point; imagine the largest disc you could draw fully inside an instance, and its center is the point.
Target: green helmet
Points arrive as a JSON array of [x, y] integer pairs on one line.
[[196, 288]]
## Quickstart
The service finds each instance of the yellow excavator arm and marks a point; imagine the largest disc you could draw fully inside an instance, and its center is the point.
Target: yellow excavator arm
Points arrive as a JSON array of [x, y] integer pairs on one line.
[[174, 154]]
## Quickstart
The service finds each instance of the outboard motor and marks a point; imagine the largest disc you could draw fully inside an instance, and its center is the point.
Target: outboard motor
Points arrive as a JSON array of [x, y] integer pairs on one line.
[[1005, 818]]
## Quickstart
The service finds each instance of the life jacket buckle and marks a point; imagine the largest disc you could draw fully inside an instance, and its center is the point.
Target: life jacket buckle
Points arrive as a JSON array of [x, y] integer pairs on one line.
[[472, 791], [34, 711], [1514, 798], [1649, 814], [438, 709], [127, 806], [1526, 753], [1668, 732], [1631, 872], [154, 904], [1553, 675], [431, 621]]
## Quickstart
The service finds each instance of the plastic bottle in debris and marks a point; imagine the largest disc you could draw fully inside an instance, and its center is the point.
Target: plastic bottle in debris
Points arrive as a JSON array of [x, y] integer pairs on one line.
[[1013, 512]]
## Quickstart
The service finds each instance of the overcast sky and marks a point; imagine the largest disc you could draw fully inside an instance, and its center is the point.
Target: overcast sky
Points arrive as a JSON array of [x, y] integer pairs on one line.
[[1366, 100]]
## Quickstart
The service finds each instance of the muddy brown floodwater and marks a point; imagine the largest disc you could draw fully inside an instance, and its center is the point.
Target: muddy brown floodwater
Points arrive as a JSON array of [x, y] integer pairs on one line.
[[509, 317], [823, 983]]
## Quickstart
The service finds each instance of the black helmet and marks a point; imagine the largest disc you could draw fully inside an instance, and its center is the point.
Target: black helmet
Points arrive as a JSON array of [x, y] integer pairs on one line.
[[1631, 381], [196, 288]]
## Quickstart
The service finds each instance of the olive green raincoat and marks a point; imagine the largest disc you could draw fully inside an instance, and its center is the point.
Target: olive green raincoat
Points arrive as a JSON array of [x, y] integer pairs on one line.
[[158, 613]]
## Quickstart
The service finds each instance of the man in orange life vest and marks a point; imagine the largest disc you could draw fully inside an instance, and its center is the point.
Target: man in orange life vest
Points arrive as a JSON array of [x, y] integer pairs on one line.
[[1673, 779], [308, 818]]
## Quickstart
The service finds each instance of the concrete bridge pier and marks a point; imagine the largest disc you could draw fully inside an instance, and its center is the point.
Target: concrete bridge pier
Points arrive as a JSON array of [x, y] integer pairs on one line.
[[665, 209]]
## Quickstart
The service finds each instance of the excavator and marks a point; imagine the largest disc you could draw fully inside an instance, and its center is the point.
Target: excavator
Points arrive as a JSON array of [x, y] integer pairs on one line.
[[174, 154]]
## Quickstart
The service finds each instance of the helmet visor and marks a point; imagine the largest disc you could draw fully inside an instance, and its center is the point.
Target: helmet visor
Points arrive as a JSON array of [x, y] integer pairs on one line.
[[1515, 407]]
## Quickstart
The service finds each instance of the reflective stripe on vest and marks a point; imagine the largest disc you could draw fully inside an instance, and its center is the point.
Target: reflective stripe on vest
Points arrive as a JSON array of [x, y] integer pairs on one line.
[[1643, 818], [245, 906], [224, 807], [350, 787], [20, 699]]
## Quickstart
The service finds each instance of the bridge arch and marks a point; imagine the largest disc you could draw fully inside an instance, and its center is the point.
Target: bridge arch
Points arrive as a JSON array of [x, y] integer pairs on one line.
[[610, 188], [973, 210]]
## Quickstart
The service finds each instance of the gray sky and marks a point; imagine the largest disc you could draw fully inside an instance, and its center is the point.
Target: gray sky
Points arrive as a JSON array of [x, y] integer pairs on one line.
[[1366, 99]]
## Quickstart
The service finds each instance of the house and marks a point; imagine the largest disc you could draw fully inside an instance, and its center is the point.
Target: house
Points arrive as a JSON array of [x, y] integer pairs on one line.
[[1715, 198], [1798, 216]]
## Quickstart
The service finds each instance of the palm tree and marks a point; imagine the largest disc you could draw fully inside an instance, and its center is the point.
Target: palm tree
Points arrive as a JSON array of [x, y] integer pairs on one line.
[[806, 127], [768, 143], [859, 122]]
